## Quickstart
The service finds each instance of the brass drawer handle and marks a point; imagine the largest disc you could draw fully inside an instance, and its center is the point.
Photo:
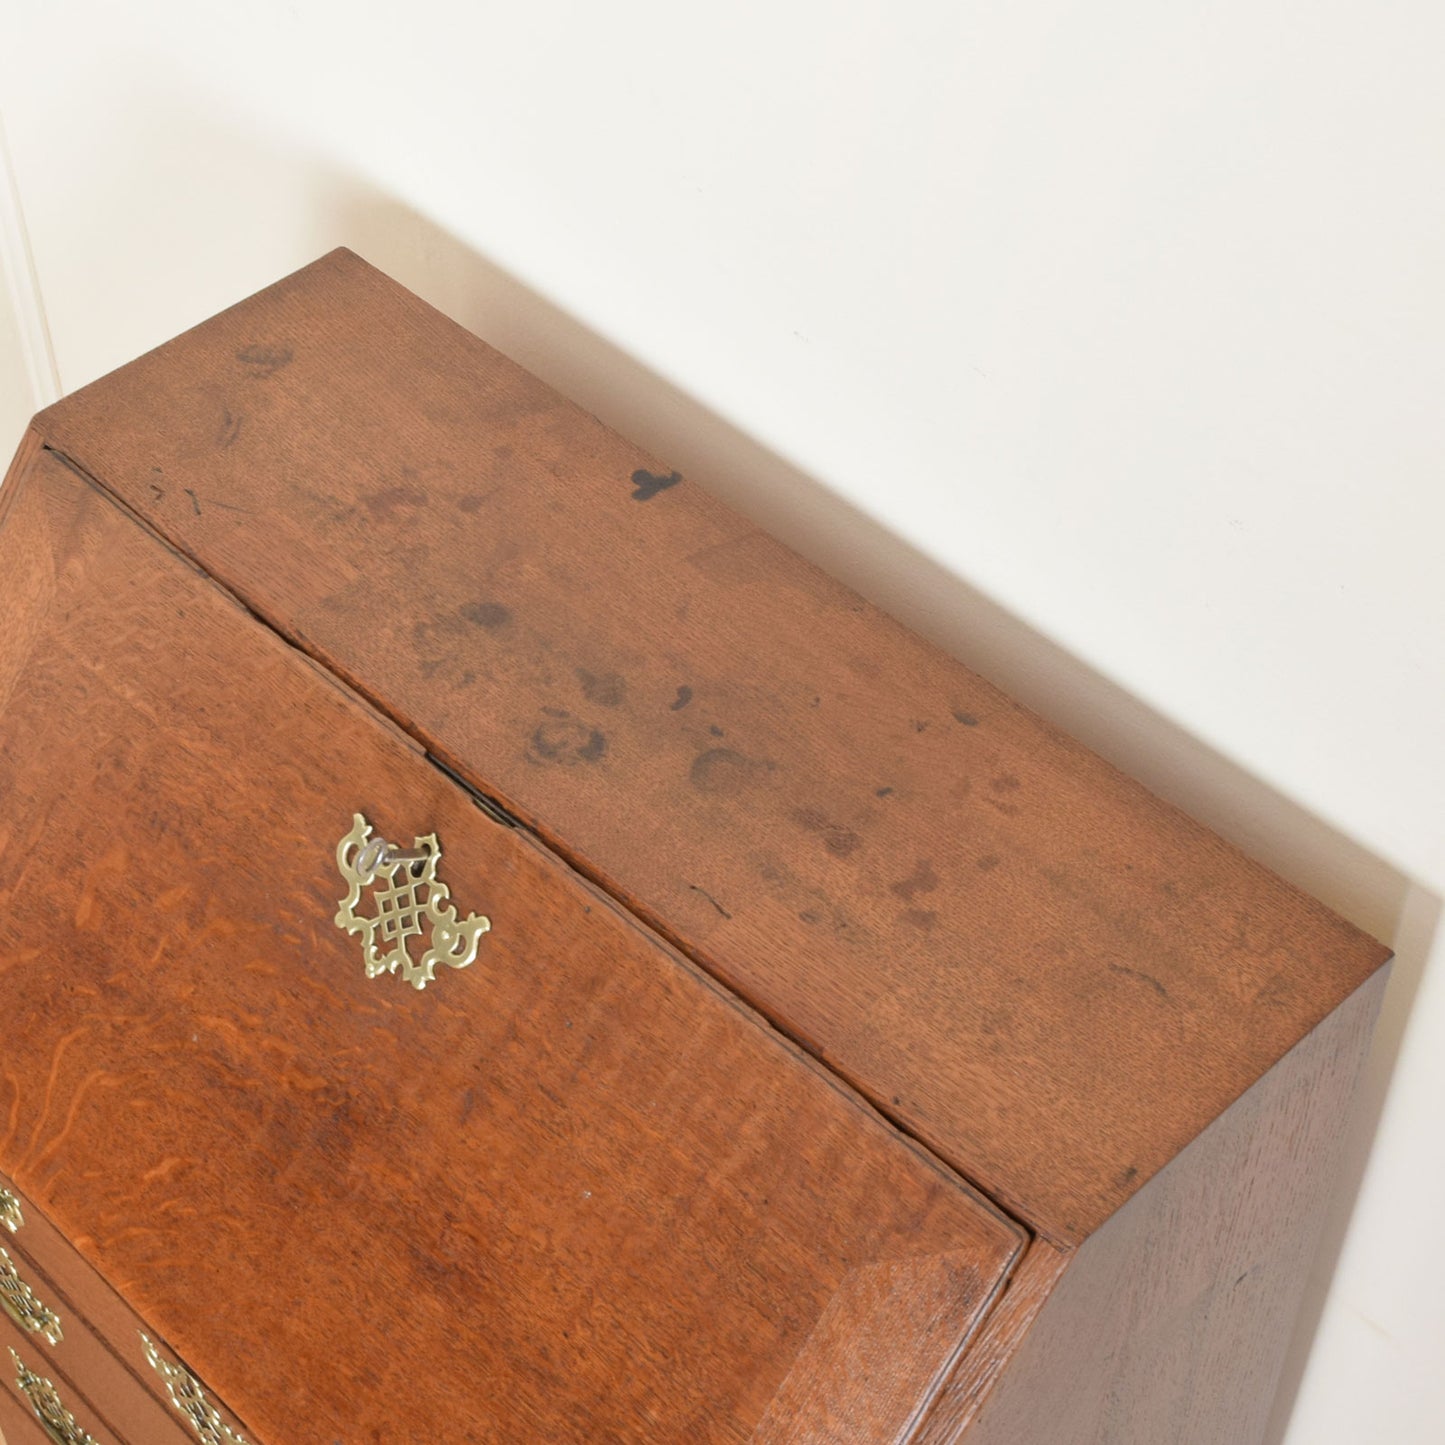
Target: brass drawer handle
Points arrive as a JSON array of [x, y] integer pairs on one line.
[[58, 1423], [409, 898], [189, 1400], [19, 1301], [10, 1215]]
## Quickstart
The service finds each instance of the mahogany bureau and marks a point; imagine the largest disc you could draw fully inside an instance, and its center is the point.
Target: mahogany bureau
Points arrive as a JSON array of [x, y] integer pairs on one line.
[[495, 948]]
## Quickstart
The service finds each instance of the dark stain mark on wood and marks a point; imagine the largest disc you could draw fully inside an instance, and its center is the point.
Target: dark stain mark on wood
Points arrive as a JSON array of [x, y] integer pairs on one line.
[[383, 505], [331, 507], [684, 696], [811, 903], [564, 739], [490, 615], [988, 862], [262, 360], [837, 839], [1145, 978], [1279, 991], [710, 899], [229, 507], [436, 640], [715, 730], [606, 689], [472, 502], [997, 1022], [922, 880], [923, 918], [158, 493], [882, 792], [919, 725], [195, 501], [646, 485], [966, 718], [229, 429], [724, 772], [1002, 787]]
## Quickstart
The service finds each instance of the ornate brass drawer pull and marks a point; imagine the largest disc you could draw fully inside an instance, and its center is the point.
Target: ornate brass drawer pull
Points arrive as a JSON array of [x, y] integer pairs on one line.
[[409, 899], [189, 1400], [58, 1423], [19, 1301], [10, 1215]]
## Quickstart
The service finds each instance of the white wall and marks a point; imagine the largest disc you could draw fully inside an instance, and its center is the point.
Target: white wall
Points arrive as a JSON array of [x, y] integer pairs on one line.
[[1100, 342], [16, 401], [27, 377]]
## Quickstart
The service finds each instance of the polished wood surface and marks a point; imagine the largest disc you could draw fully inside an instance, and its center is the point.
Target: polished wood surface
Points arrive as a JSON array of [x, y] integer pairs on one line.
[[574, 1192], [1048, 976], [1170, 1324]]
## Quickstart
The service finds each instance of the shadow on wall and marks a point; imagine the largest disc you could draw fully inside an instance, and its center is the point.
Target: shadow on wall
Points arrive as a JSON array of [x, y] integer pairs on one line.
[[251, 186]]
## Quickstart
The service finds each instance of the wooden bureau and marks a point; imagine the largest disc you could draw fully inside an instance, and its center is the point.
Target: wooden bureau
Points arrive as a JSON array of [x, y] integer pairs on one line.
[[841, 1053]]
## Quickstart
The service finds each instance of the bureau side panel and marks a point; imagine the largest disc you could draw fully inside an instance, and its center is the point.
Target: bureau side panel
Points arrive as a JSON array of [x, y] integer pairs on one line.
[[1172, 1322]]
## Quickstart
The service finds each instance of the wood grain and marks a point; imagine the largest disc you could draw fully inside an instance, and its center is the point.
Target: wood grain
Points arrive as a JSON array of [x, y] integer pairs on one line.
[[574, 1192], [1047, 975], [1171, 1323]]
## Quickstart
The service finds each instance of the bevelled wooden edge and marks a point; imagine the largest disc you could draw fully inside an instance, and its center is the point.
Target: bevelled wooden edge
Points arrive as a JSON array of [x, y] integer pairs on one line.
[[982, 1366], [1046, 975], [850, 1384]]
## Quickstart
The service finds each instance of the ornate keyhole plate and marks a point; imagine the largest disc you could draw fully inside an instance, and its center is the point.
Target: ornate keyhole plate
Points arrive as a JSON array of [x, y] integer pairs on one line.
[[405, 900]]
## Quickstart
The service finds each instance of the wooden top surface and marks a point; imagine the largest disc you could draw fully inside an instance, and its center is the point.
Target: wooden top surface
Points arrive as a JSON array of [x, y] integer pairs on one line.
[[1046, 974], [574, 1192]]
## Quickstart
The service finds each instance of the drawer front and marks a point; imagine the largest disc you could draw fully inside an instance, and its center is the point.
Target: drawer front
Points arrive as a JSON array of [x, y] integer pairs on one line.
[[569, 1192], [99, 1347], [40, 1403]]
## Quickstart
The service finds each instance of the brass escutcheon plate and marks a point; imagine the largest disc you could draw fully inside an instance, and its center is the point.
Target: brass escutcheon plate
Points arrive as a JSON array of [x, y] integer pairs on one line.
[[189, 1400], [409, 901], [20, 1302], [44, 1399]]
